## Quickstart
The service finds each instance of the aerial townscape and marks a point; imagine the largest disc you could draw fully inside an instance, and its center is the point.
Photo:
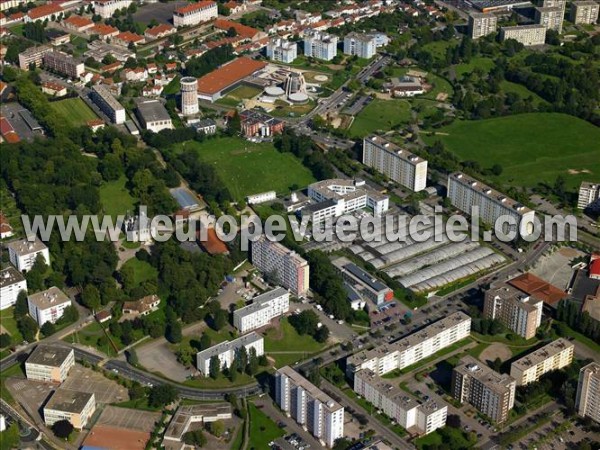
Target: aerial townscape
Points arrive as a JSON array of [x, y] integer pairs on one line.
[[431, 169]]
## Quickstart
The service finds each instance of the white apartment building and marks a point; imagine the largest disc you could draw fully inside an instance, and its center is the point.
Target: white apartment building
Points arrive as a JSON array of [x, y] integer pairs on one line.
[[282, 50], [263, 309], [228, 350], [195, 13], [108, 104], [584, 12], [48, 305], [551, 17], [588, 392], [413, 348], [11, 283], [397, 164], [361, 45], [398, 405], [482, 24], [263, 197], [336, 197], [309, 406], [589, 196], [22, 253], [49, 363], [552, 356], [525, 34], [7, 4], [106, 8], [465, 193], [289, 269], [76, 407], [320, 45]]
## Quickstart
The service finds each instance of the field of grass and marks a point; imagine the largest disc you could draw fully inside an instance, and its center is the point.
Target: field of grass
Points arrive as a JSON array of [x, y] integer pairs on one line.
[[89, 336], [220, 382], [142, 271], [73, 111], [10, 324], [115, 197], [508, 86], [249, 168], [439, 85], [10, 211], [381, 115], [531, 148], [262, 429], [286, 339], [244, 92], [283, 109], [485, 64], [438, 48]]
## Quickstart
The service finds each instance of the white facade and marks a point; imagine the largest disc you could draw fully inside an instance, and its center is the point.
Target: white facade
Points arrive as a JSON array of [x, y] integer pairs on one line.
[[106, 8], [48, 305], [552, 356], [482, 24], [361, 45], [263, 309], [255, 199], [320, 45], [279, 49], [154, 116], [11, 283], [589, 196], [108, 104], [76, 407], [588, 392], [309, 406], [49, 364], [195, 13], [189, 96], [23, 253], [550, 17], [227, 351], [525, 34], [399, 165], [584, 12]]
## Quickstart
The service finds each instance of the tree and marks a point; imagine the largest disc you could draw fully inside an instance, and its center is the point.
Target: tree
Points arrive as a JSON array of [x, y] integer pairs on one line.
[[48, 329], [21, 306], [62, 429], [217, 428], [453, 420], [195, 438], [10, 438], [173, 333], [215, 367], [205, 342], [497, 169], [231, 32], [70, 315], [162, 395], [28, 328], [252, 367], [322, 334], [185, 354], [219, 319], [5, 340], [90, 297]]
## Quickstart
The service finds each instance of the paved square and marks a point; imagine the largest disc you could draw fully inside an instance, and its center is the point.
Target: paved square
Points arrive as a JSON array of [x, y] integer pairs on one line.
[[130, 419], [86, 380]]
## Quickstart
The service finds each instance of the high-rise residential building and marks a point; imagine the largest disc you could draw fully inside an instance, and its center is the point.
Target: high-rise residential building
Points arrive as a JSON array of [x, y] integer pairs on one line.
[[493, 394], [360, 44], [64, 64], [412, 348], [108, 104], [195, 13], [228, 350], [23, 253], [466, 192], [482, 24], [525, 34], [320, 45], [282, 50], [11, 283], [551, 17], [587, 401], [589, 196], [309, 406], [412, 415], [49, 363], [516, 310], [65, 404], [189, 96], [288, 268], [584, 12], [553, 356], [397, 164], [264, 308], [106, 8], [48, 305], [33, 55]]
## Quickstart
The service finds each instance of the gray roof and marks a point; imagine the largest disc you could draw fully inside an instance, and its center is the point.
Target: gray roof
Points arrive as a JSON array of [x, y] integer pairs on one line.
[[48, 298], [24, 247], [152, 111], [223, 347], [10, 276], [260, 302], [48, 355], [68, 401]]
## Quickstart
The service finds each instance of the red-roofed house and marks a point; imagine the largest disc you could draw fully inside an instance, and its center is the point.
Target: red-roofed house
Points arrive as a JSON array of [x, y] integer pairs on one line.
[[6, 230], [105, 32], [111, 67], [212, 85], [195, 13], [213, 245], [595, 266], [235, 7], [77, 23], [17, 17], [136, 74], [127, 37], [8, 132], [44, 12], [54, 89], [243, 31], [159, 31]]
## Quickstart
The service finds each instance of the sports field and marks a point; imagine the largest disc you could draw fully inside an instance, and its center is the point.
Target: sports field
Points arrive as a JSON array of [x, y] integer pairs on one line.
[[530, 147], [381, 115], [73, 111], [250, 168]]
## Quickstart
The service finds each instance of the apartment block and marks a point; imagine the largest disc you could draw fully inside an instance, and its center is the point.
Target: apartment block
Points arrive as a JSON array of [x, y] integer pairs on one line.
[[589, 196], [309, 406], [11, 283], [106, 8], [551, 17], [263, 309], [282, 50], [493, 394], [584, 12], [287, 267], [49, 363], [48, 305], [414, 416], [412, 348], [361, 45], [466, 192], [228, 350], [363, 282], [108, 104], [397, 164], [320, 45], [482, 24], [516, 310], [22, 253], [195, 13], [33, 55], [76, 407], [588, 392], [62, 63], [553, 356], [525, 34]]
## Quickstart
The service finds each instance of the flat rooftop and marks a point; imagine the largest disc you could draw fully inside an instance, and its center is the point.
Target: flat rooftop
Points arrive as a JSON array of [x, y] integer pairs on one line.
[[153, 111], [24, 247], [48, 298], [493, 380], [542, 354], [222, 347], [508, 292], [364, 277], [394, 148], [261, 301], [10, 276], [312, 390], [48, 355], [68, 401], [194, 413]]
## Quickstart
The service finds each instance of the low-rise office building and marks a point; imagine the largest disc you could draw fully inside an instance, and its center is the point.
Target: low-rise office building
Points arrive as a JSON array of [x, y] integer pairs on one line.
[[525, 34], [23, 253], [228, 350], [553, 356], [482, 24], [76, 407], [48, 305], [360, 44], [584, 12], [154, 116], [106, 8], [263, 309], [12, 282], [49, 363], [255, 123], [108, 104], [587, 401], [363, 282]]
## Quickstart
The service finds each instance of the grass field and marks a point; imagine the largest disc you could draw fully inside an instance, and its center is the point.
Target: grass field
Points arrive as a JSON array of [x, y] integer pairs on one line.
[[531, 148], [10, 324], [286, 339], [249, 168], [283, 109], [115, 197], [485, 64], [262, 429], [380, 115], [142, 271], [89, 336], [73, 111], [508, 86]]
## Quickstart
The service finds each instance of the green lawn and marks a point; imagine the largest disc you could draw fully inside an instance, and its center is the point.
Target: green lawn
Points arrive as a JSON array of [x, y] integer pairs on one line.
[[15, 371], [283, 109], [142, 271], [10, 324], [173, 87], [220, 382], [244, 92], [73, 111], [485, 64], [531, 148], [381, 115], [286, 339], [10, 211], [250, 168], [438, 48], [89, 336], [508, 86], [262, 429], [440, 85], [115, 197]]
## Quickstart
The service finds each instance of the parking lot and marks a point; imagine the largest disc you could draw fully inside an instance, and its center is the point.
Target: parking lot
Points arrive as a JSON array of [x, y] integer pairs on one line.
[[555, 268], [86, 380], [130, 419], [32, 395], [162, 12]]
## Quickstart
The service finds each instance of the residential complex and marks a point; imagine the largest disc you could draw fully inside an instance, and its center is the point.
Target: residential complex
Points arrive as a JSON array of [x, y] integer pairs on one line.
[[314, 410], [466, 192], [320, 45], [589, 196], [532, 366], [189, 96], [11, 283], [412, 348], [106, 8], [516, 310], [33, 55], [48, 305], [551, 17], [263, 309], [195, 13], [482, 24], [282, 50], [76, 407], [397, 164], [288, 268], [525, 34], [588, 392], [49, 363], [228, 350], [64, 64], [584, 12], [414, 416], [23, 253], [363, 282], [154, 116], [256, 123], [108, 104], [493, 394], [360, 44]]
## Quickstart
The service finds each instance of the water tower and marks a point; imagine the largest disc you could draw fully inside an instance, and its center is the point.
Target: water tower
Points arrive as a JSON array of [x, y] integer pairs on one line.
[[189, 96]]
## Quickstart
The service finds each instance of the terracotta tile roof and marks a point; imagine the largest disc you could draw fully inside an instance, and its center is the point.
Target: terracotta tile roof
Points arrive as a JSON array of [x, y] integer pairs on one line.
[[159, 29], [538, 288], [228, 74], [103, 29], [111, 67], [128, 36], [193, 7], [595, 265], [213, 244], [78, 21], [53, 86], [3, 86], [242, 30], [17, 16], [5, 126], [44, 10]]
